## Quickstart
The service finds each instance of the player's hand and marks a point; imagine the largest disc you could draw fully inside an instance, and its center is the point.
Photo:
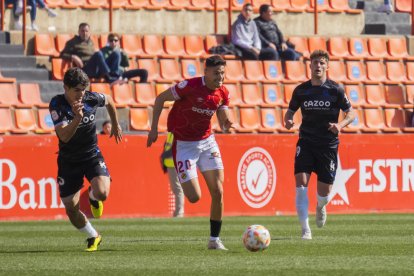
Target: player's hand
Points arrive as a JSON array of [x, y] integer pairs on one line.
[[273, 46], [227, 126], [117, 133], [289, 124], [77, 61], [284, 46], [334, 128], [152, 137], [256, 51], [77, 108]]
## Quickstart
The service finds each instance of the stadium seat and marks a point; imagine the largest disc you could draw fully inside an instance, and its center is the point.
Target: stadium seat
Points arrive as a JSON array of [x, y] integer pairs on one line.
[[180, 5], [403, 6], [253, 70], [308, 70], [409, 93], [60, 41], [234, 71], [288, 92], [201, 4], [377, 47], [95, 40], [272, 95], [374, 96], [44, 45], [59, 67], [394, 96], [45, 120], [338, 47], [174, 46], [355, 71], [344, 6], [374, 120], [395, 121], [99, 3], [101, 87], [397, 47], [162, 123], [323, 6], [410, 71], [357, 124], [270, 119], [169, 70], [281, 5], [273, 70], [151, 66], [153, 46], [299, 6], [83, 4], [295, 72], [375, 72], [316, 43], [123, 95], [8, 96], [139, 119], [234, 94], [355, 95], [358, 48], [103, 40], [194, 45], [249, 119], [29, 93], [215, 40], [337, 71], [301, 44], [251, 95], [55, 3], [297, 120], [6, 122], [25, 120], [137, 4], [158, 4], [190, 68], [4, 79], [132, 45], [144, 94], [396, 73], [161, 87]]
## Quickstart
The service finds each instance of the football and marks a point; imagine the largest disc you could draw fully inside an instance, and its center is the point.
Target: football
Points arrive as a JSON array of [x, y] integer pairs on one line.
[[256, 238]]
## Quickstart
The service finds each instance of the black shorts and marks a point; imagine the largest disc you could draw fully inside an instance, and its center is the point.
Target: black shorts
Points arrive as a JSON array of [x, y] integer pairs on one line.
[[71, 174], [322, 161]]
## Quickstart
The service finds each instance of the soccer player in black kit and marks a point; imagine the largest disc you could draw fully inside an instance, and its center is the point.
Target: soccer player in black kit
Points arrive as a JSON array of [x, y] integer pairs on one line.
[[73, 114], [320, 100]]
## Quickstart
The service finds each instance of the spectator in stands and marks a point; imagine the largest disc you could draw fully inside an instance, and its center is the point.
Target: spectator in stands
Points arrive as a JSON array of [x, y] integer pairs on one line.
[[245, 37], [167, 164], [16, 17], [271, 36], [386, 7], [33, 11], [81, 51], [106, 128], [117, 61]]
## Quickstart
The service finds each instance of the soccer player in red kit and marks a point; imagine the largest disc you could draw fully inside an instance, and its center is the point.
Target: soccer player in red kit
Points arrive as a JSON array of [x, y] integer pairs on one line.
[[196, 101]]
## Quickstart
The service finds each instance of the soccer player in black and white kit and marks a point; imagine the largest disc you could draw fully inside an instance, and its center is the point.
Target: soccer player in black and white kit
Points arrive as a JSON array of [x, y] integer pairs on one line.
[[320, 100], [73, 114]]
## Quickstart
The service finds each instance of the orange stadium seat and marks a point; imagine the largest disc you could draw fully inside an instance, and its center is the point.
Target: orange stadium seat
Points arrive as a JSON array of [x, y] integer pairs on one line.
[[180, 5], [153, 46], [375, 72], [158, 4], [374, 120], [253, 70], [101, 87], [377, 47], [194, 45], [298, 5], [99, 3], [394, 96], [251, 95], [403, 5], [270, 119], [45, 45], [297, 119], [358, 48], [190, 68], [409, 93], [6, 122], [161, 87], [144, 94], [338, 47], [55, 3], [344, 6], [162, 123], [79, 3], [301, 45], [60, 41], [169, 70], [215, 40], [357, 124], [295, 71], [234, 71], [132, 45], [6, 79], [29, 93], [394, 120], [397, 47], [151, 66], [396, 73], [410, 70], [337, 71], [355, 71], [272, 95], [201, 4], [374, 96], [139, 119], [323, 6], [257, 3], [95, 40], [281, 5], [59, 67], [355, 95], [288, 92], [103, 40], [273, 70], [25, 120], [137, 4], [174, 46], [234, 94], [8, 96], [316, 43], [45, 120], [249, 119], [308, 69], [123, 95]]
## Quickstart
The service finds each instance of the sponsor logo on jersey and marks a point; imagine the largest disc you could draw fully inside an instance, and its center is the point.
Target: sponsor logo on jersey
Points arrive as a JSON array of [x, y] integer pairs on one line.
[[183, 176], [317, 103], [182, 84], [207, 112], [256, 177], [60, 181]]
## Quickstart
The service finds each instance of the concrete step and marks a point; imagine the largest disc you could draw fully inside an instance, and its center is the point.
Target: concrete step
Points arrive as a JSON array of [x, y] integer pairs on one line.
[[26, 74], [4, 37], [11, 49], [392, 18], [17, 61], [49, 89]]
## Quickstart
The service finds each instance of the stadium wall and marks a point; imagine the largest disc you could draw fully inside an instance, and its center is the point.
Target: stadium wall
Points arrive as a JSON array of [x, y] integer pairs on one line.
[[376, 174]]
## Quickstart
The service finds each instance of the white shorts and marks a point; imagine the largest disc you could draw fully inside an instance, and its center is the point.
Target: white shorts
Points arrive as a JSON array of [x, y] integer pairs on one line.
[[203, 154]]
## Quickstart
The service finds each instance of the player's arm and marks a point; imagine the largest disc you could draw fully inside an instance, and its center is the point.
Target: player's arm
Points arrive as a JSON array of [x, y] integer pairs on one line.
[[116, 128], [65, 130], [223, 117], [156, 112], [289, 119], [293, 107], [349, 118]]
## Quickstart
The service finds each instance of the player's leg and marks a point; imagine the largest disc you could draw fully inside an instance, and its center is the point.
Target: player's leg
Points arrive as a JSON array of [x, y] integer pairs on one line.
[[178, 192], [304, 163]]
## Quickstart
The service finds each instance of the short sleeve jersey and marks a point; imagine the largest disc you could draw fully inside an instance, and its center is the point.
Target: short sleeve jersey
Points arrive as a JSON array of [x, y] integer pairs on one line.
[[195, 104], [83, 144], [320, 106]]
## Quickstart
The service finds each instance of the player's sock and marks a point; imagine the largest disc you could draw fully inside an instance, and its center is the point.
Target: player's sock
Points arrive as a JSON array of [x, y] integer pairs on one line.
[[89, 230], [91, 196], [302, 203], [215, 228], [322, 200]]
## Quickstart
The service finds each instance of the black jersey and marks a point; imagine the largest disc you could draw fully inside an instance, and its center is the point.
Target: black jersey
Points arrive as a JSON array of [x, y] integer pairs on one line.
[[83, 144], [319, 106]]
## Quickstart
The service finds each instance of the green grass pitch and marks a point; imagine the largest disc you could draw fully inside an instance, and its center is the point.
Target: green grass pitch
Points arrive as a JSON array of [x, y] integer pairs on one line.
[[376, 244]]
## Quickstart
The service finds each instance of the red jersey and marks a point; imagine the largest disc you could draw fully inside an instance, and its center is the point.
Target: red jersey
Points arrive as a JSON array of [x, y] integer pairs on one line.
[[195, 104]]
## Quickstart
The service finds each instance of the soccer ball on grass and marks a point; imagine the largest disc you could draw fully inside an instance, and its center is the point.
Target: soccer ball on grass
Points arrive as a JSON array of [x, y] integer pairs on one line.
[[256, 238]]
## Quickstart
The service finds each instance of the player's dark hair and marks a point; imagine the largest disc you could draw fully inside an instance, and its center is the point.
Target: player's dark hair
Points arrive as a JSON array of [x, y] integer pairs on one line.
[[75, 76], [264, 8], [214, 61], [319, 54], [83, 24]]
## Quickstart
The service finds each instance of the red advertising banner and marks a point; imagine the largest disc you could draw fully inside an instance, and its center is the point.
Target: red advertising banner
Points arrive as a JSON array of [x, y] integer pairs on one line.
[[375, 174]]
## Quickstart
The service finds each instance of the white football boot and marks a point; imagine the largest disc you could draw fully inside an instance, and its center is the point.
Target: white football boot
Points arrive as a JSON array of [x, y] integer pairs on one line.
[[217, 244], [320, 216]]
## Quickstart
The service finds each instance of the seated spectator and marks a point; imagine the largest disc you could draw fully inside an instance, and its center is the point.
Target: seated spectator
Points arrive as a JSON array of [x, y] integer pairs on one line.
[[386, 7], [271, 36], [245, 37], [106, 128], [118, 62]]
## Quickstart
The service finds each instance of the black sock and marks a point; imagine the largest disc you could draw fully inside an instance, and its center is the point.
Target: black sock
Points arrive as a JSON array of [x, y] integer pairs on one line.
[[215, 228]]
